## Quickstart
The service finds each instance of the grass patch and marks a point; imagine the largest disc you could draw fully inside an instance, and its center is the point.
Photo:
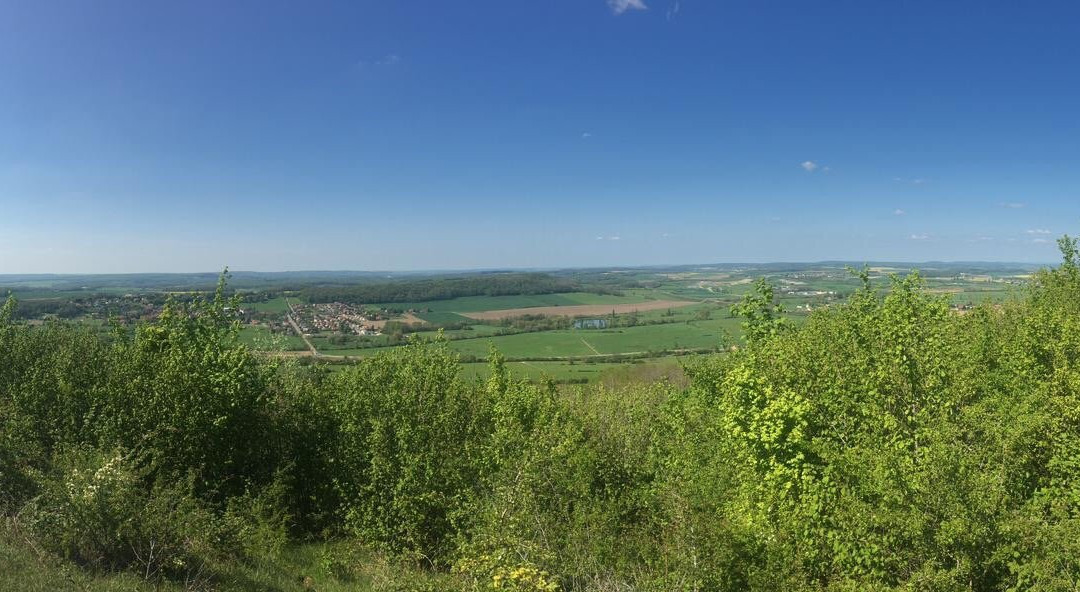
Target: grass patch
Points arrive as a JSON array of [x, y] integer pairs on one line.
[[326, 567]]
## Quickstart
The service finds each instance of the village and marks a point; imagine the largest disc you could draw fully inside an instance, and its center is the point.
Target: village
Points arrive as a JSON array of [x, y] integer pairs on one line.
[[336, 317]]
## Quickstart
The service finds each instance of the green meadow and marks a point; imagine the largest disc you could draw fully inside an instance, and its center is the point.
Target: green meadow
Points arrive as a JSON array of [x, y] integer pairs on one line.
[[484, 303]]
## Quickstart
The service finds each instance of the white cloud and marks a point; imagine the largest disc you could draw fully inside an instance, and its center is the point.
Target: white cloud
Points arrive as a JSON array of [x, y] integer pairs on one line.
[[609, 238], [621, 6], [809, 166], [1013, 205], [1038, 231], [585, 135], [1040, 241], [919, 237], [898, 212]]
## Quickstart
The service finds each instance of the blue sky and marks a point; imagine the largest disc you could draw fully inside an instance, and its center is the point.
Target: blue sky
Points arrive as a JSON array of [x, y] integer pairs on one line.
[[185, 136]]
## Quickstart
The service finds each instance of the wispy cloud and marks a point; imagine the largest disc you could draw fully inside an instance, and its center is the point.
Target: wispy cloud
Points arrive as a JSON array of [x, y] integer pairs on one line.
[[1040, 241], [608, 238], [919, 237], [390, 59], [809, 166], [673, 11], [910, 180], [898, 212], [1038, 231], [585, 135], [1013, 205], [621, 6]]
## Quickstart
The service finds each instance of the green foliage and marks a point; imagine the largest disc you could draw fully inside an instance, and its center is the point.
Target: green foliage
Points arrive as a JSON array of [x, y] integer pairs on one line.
[[97, 513], [186, 390], [762, 311], [256, 524], [887, 443], [407, 465]]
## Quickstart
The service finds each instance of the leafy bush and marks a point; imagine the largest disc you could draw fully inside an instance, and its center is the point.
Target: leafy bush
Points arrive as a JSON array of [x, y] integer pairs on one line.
[[185, 390], [98, 513], [411, 433]]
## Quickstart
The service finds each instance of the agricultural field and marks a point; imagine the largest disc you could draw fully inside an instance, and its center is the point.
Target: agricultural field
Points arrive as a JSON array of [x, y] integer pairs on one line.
[[639, 340], [634, 317], [470, 304], [261, 338], [579, 310]]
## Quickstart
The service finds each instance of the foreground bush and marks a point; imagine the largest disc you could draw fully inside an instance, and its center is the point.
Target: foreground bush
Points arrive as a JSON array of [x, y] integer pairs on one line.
[[97, 513], [409, 457]]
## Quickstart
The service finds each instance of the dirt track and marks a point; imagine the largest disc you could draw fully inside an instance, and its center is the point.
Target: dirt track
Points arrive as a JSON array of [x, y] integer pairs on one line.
[[579, 310]]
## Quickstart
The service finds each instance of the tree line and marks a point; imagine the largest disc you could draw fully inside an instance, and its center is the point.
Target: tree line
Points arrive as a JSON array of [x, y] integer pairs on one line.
[[424, 290]]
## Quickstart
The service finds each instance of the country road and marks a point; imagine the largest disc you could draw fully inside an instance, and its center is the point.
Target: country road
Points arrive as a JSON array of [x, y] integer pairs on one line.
[[296, 327]]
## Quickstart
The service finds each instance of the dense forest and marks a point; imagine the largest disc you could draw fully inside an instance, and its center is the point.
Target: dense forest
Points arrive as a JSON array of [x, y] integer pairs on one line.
[[422, 290], [886, 444]]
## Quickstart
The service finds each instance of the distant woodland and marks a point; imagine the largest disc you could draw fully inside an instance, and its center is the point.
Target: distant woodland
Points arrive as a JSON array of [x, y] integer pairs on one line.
[[508, 284]]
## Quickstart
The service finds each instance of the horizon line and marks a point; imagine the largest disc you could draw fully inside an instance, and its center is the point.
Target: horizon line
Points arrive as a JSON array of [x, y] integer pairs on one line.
[[503, 269]]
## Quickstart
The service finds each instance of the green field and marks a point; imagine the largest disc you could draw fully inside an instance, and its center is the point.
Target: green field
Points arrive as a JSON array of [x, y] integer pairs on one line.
[[276, 305], [261, 338], [443, 317], [580, 343], [483, 303]]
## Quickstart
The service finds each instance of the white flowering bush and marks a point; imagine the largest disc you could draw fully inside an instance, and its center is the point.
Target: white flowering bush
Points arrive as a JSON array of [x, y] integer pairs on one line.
[[99, 512]]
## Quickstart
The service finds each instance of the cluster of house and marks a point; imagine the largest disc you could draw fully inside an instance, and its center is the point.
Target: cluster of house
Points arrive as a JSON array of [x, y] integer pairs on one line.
[[334, 317], [126, 308], [810, 293]]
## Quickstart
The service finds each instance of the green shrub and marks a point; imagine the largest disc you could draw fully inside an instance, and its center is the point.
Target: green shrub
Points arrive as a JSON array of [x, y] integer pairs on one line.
[[186, 392], [412, 435], [98, 512], [256, 525]]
